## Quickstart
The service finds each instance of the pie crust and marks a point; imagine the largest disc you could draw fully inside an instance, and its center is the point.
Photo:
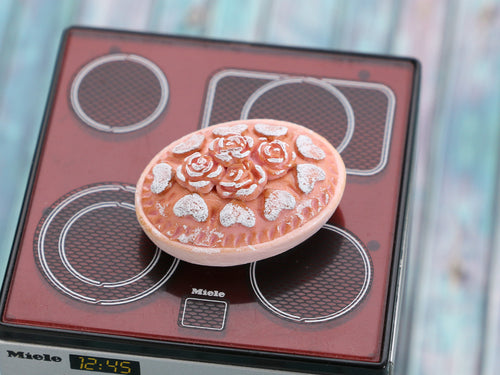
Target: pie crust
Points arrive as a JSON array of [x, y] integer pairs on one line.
[[240, 191]]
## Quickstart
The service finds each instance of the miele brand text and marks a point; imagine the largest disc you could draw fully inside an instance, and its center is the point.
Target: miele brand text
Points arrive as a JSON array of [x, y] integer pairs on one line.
[[210, 293], [36, 357]]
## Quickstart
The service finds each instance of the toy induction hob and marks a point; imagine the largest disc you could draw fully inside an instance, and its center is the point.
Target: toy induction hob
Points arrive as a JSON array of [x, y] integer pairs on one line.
[[87, 292]]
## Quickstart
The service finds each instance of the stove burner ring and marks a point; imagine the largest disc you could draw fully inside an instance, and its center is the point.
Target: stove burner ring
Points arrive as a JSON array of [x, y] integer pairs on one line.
[[325, 86], [79, 275], [131, 274], [121, 93], [325, 278]]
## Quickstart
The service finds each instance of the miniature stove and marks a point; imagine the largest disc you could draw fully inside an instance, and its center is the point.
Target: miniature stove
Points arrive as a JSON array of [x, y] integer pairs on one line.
[[87, 291]]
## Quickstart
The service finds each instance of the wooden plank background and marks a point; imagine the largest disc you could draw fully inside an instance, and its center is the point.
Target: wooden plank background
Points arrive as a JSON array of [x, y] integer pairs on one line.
[[451, 316]]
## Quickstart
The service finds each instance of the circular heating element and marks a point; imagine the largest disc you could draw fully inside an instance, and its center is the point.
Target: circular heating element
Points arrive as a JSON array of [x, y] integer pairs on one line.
[[119, 93], [306, 101], [90, 247], [322, 279]]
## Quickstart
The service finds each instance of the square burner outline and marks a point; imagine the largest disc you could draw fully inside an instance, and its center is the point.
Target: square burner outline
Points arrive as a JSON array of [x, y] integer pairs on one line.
[[276, 77], [206, 302]]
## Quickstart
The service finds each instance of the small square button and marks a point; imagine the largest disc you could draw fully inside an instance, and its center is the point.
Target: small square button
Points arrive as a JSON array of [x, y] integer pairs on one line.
[[203, 313]]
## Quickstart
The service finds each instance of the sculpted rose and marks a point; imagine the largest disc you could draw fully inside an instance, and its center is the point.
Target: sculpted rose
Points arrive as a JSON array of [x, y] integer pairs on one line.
[[276, 158], [199, 173], [243, 181], [231, 149]]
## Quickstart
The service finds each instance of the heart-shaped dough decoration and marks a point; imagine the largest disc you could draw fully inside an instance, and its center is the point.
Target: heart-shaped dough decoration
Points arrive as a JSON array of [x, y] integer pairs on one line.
[[239, 192], [308, 175], [308, 149], [277, 201], [235, 214], [191, 205], [162, 173]]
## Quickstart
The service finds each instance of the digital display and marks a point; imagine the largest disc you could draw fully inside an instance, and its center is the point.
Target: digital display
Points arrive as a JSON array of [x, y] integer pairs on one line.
[[107, 365]]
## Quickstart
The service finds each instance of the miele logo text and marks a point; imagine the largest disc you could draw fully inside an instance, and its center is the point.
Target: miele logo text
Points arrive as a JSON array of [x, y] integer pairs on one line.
[[210, 293], [36, 357]]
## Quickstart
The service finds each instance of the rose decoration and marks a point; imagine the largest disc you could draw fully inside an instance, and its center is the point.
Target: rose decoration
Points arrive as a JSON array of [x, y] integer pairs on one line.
[[231, 149], [243, 181], [199, 173], [276, 158]]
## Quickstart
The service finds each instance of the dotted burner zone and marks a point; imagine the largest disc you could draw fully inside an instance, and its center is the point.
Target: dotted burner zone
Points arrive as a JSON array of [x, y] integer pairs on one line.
[[90, 247], [316, 288], [119, 93], [270, 177]]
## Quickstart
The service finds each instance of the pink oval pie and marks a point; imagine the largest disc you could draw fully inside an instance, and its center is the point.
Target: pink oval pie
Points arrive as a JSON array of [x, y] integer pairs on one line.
[[239, 192]]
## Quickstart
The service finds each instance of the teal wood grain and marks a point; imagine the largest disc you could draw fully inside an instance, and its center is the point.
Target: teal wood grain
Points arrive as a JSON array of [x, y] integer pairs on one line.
[[119, 14], [369, 26], [237, 20], [491, 342], [456, 245], [28, 52], [301, 23]]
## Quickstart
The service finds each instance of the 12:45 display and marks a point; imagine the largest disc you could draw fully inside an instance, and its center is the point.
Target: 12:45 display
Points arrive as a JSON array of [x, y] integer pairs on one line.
[[101, 364]]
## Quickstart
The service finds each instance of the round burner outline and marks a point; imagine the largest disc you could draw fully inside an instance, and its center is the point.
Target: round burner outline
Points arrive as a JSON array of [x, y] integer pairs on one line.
[[78, 275], [245, 111], [88, 120], [54, 279], [323, 318]]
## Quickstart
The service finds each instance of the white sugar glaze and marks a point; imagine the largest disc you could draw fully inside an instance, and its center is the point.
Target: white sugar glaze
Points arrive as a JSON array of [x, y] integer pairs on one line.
[[308, 149], [227, 130], [193, 143], [216, 173], [193, 205], [179, 174], [247, 191], [277, 201], [201, 238], [199, 184], [270, 130], [162, 173], [308, 175], [235, 214], [232, 146]]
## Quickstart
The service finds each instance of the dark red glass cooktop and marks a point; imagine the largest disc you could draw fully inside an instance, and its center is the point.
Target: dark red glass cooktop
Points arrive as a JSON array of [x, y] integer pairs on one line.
[[82, 262]]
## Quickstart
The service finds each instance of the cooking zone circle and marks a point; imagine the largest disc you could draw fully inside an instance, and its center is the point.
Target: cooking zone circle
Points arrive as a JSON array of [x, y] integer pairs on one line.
[[119, 93], [323, 278], [90, 247], [310, 102]]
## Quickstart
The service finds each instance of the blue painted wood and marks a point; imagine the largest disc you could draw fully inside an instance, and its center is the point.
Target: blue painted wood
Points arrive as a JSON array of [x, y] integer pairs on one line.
[[451, 315], [30, 46], [180, 17], [301, 23], [237, 20], [118, 14], [456, 245], [491, 342], [369, 27]]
